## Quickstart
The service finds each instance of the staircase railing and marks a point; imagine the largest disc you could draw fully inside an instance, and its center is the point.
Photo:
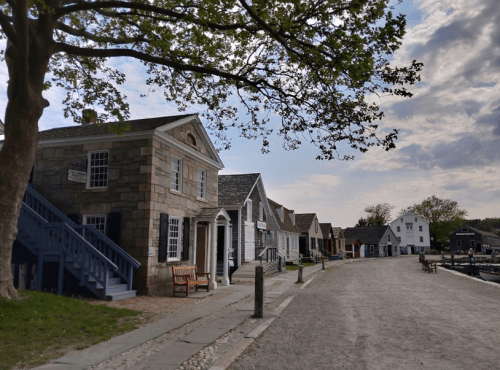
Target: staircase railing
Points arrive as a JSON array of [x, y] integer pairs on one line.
[[268, 254], [281, 261], [101, 242], [60, 238]]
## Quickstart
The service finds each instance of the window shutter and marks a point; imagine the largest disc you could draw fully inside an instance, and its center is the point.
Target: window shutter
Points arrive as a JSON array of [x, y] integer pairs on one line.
[[163, 243], [114, 227], [185, 239]]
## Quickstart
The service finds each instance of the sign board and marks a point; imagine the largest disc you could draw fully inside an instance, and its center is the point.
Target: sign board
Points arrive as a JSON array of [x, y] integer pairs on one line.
[[77, 176], [261, 225], [465, 234]]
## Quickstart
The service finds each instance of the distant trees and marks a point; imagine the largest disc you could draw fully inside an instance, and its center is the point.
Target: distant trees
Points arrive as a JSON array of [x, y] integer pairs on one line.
[[444, 216], [491, 225], [378, 215]]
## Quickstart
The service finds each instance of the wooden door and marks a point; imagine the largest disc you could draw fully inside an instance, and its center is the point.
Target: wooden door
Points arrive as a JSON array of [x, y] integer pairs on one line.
[[201, 248]]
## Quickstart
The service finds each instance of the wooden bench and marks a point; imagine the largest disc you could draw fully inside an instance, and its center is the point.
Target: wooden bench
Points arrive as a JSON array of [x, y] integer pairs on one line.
[[187, 276], [428, 266]]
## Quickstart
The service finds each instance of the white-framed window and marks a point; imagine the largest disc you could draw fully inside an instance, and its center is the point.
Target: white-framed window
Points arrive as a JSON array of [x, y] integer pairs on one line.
[[202, 183], [261, 211], [249, 210], [174, 238], [420, 228], [416, 220], [176, 174], [409, 226], [99, 221], [97, 170], [398, 229], [421, 239]]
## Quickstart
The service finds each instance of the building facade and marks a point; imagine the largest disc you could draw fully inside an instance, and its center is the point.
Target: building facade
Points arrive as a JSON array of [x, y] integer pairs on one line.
[[412, 232]]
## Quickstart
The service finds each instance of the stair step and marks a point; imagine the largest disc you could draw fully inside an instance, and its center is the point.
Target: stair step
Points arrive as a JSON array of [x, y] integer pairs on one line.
[[121, 295], [116, 288]]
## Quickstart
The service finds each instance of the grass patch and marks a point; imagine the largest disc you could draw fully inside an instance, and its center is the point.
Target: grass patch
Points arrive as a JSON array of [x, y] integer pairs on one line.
[[296, 267], [39, 327]]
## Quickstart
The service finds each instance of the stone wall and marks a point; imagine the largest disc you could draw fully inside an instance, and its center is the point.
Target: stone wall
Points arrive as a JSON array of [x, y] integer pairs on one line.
[[179, 204], [126, 193]]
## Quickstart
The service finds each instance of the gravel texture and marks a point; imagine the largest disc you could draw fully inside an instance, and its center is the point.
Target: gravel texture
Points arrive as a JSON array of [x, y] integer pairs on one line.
[[383, 314]]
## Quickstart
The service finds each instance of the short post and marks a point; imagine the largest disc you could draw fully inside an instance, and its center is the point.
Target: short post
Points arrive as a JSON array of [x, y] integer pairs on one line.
[[323, 262], [452, 258], [259, 292], [300, 274]]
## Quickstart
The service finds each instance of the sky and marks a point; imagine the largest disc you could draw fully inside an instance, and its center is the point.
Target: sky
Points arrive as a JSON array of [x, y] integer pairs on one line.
[[449, 140]]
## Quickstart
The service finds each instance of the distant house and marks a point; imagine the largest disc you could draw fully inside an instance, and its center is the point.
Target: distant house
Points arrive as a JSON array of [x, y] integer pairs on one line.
[[244, 198], [412, 232], [311, 236], [328, 241], [379, 241], [468, 237], [354, 248], [338, 240], [283, 231]]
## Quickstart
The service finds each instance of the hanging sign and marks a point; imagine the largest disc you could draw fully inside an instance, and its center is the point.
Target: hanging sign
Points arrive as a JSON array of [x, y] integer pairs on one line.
[[261, 225], [77, 176]]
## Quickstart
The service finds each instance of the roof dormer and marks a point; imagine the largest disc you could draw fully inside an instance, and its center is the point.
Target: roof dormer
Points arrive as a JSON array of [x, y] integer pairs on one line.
[[292, 217]]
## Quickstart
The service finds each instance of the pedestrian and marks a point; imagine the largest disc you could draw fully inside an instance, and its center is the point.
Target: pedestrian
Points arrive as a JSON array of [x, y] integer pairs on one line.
[[471, 256]]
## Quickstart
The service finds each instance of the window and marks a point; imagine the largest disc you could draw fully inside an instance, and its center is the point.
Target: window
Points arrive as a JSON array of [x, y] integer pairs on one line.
[[409, 226], [372, 249], [416, 219], [261, 211], [313, 243], [97, 172], [459, 243], [401, 220], [420, 228], [316, 225], [249, 210], [191, 139], [202, 183], [99, 221], [472, 243], [174, 238], [388, 237], [421, 239], [176, 174], [284, 242], [399, 239], [398, 229]]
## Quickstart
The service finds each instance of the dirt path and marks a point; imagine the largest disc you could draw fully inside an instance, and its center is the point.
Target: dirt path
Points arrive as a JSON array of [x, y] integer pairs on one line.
[[383, 314]]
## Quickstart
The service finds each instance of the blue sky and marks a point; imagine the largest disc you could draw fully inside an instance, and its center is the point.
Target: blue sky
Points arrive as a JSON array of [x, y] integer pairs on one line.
[[449, 140]]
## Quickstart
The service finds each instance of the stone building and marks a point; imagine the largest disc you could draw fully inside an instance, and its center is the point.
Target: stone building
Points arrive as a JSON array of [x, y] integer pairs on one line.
[[154, 190]]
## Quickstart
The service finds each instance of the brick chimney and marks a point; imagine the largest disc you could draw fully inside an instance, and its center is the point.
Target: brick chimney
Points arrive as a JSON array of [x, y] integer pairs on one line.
[[89, 117]]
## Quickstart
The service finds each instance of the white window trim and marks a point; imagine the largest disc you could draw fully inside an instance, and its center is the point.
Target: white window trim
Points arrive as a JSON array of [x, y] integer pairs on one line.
[[89, 155], [203, 184], [180, 174], [261, 211], [86, 217], [249, 210], [178, 258]]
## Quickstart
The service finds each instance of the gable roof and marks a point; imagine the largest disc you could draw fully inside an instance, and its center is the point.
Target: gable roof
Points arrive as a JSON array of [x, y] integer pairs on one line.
[[351, 241], [325, 229], [304, 221], [287, 224], [338, 233], [367, 235], [485, 233], [235, 189], [94, 129]]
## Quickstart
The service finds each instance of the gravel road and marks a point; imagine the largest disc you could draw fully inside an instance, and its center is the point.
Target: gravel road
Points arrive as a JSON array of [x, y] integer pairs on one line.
[[383, 314]]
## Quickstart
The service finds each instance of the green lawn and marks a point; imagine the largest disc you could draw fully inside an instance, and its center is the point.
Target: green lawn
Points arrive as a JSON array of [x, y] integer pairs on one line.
[[296, 267], [38, 327]]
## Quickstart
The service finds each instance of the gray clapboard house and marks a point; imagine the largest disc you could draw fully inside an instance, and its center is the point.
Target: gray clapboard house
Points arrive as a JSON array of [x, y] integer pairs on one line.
[[379, 241]]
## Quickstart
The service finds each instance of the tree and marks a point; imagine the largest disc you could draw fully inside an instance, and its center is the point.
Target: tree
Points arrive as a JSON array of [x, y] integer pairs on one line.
[[443, 215], [362, 222], [379, 214], [312, 64]]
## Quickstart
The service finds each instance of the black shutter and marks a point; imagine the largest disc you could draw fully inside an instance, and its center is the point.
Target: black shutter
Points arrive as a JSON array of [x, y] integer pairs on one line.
[[73, 217], [162, 247], [185, 239], [114, 227]]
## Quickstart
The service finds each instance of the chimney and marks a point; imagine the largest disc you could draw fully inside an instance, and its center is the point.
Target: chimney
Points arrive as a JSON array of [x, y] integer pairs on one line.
[[89, 117]]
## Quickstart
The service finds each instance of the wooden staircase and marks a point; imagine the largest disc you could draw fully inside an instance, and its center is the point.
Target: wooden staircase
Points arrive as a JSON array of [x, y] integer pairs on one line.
[[97, 262]]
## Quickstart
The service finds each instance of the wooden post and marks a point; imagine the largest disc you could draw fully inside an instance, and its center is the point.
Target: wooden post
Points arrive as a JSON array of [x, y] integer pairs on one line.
[[23, 272], [323, 262], [300, 274], [259, 292]]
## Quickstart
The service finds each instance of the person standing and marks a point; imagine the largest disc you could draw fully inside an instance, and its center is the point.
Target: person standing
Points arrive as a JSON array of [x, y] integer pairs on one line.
[[471, 256]]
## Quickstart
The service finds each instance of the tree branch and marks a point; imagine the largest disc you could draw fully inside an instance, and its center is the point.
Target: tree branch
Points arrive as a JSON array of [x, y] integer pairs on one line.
[[6, 24], [82, 33]]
